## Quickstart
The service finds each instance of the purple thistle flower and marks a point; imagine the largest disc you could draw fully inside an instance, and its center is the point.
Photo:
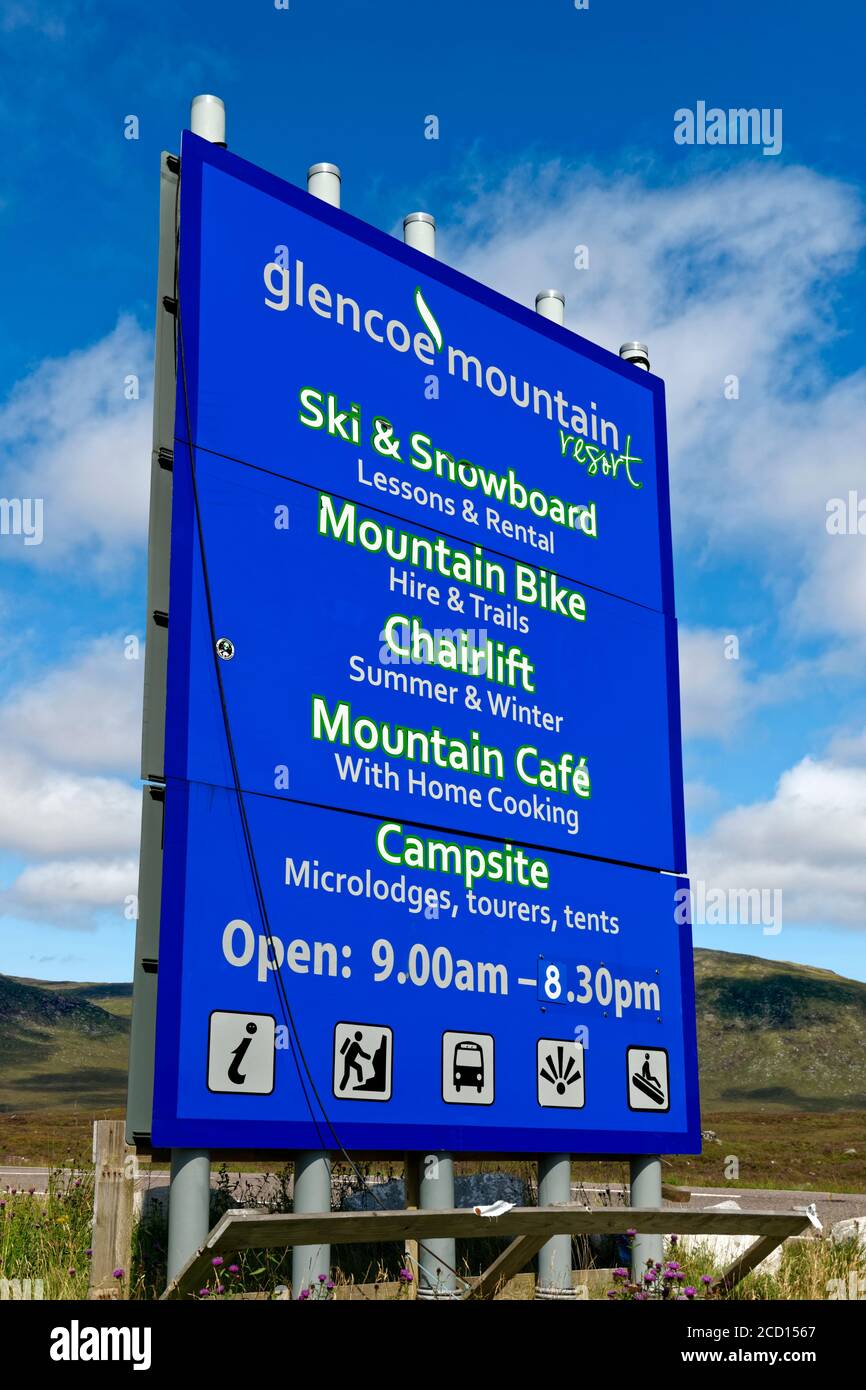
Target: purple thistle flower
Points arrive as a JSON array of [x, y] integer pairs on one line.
[[234, 1269], [650, 1276], [689, 1291], [620, 1273], [631, 1231], [204, 1293], [322, 1278], [675, 1240], [217, 1261], [706, 1278], [118, 1274], [611, 1293], [219, 1289], [305, 1293], [406, 1276]]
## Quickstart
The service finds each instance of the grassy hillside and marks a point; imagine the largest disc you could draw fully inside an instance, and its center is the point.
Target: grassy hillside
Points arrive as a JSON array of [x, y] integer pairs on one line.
[[773, 1037], [62, 1045]]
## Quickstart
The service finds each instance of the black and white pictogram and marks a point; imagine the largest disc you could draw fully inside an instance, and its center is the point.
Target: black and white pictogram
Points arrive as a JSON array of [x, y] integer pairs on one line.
[[467, 1068], [240, 1053], [560, 1073], [363, 1061], [648, 1085]]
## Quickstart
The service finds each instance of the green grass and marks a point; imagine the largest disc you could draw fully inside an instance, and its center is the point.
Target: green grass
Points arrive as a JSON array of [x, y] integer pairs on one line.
[[48, 1238]]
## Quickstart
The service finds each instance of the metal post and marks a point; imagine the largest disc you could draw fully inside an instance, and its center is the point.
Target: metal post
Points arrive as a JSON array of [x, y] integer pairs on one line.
[[207, 118], [554, 1170], [189, 1184], [554, 1257], [437, 1257], [312, 1192], [419, 231], [188, 1206], [645, 1191], [645, 1169], [323, 181], [312, 1186]]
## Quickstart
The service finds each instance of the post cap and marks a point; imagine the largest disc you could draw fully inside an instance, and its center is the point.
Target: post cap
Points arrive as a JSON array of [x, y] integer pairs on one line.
[[419, 217], [549, 294], [207, 118], [324, 168], [637, 353]]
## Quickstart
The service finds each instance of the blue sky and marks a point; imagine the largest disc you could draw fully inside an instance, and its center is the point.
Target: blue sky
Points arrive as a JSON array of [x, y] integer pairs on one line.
[[556, 129]]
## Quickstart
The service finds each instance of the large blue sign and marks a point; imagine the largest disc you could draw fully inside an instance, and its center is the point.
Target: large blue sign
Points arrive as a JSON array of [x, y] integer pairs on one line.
[[323, 350], [376, 685], [449, 992], [422, 740]]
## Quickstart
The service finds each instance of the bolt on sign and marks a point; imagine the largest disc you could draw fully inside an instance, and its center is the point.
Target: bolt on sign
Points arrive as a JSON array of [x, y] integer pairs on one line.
[[424, 844]]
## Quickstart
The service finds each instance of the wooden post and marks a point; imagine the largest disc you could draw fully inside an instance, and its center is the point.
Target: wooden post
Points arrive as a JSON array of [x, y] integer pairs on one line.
[[113, 1200], [411, 1178]]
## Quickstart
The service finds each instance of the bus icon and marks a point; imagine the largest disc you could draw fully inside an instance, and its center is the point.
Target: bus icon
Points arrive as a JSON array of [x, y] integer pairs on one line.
[[467, 1068]]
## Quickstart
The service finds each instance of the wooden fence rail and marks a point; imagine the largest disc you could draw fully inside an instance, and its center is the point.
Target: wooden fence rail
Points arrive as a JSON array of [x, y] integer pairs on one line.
[[530, 1227]]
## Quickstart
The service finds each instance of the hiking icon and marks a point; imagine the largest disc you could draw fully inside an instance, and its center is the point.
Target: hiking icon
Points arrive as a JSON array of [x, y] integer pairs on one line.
[[362, 1061], [648, 1078]]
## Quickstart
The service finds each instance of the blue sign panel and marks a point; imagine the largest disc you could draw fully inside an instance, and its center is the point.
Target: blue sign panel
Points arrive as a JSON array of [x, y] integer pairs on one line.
[[422, 738], [324, 350], [504, 703], [447, 992]]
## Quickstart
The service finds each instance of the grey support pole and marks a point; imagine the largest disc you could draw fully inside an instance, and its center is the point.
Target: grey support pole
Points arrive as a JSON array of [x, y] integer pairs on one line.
[[645, 1169], [436, 1258], [312, 1192], [554, 1257], [188, 1206], [554, 1170], [312, 1187], [645, 1172], [189, 1190]]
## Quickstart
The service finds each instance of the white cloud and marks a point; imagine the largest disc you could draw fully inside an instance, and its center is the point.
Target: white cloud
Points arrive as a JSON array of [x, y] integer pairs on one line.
[[715, 694], [720, 691], [808, 839], [85, 715], [71, 891], [733, 274], [699, 796], [72, 438], [46, 810], [68, 740]]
